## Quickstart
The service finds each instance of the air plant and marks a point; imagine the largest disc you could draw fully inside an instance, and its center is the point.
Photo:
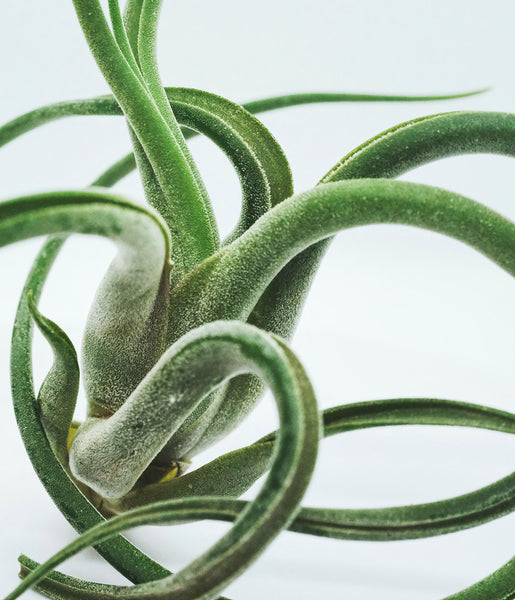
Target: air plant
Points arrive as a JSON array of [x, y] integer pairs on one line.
[[186, 330]]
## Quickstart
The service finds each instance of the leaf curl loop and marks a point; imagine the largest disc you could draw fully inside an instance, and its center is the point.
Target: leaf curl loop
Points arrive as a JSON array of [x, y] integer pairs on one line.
[[233, 473], [389, 154], [219, 284], [75, 507], [244, 347]]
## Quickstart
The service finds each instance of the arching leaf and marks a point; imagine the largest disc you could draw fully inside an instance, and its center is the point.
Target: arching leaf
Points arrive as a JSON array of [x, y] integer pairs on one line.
[[220, 287], [58, 393], [275, 506], [183, 202], [74, 506]]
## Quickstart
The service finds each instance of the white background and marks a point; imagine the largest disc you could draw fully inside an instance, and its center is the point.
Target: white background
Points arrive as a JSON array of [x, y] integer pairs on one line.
[[394, 312]]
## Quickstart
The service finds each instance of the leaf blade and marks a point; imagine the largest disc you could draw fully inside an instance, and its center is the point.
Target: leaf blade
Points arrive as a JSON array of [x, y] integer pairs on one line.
[[58, 394], [69, 500], [279, 497]]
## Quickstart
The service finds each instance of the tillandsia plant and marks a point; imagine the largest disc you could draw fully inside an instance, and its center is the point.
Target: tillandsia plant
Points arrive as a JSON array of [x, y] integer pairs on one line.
[[185, 331]]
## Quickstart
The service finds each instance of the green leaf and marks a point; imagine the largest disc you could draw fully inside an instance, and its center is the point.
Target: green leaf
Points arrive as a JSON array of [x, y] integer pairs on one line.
[[147, 57], [131, 19], [389, 154], [160, 193], [415, 411], [414, 521], [58, 394], [220, 285], [183, 202], [275, 102], [497, 586], [138, 272], [122, 39], [80, 512], [233, 473], [258, 159], [114, 363], [196, 361], [107, 105], [417, 142]]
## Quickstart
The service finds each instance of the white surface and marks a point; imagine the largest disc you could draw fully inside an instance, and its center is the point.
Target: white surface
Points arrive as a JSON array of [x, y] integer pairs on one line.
[[394, 312]]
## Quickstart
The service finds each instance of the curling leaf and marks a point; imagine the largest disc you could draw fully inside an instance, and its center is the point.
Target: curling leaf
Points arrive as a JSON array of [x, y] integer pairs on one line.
[[273, 509], [124, 339], [81, 514], [58, 393], [107, 105], [183, 203], [233, 473], [388, 154], [220, 284]]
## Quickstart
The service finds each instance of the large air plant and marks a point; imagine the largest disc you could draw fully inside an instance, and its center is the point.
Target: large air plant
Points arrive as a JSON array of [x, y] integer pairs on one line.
[[185, 331]]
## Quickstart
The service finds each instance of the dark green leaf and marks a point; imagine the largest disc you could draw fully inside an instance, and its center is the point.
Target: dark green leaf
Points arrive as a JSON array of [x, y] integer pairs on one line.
[[58, 393]]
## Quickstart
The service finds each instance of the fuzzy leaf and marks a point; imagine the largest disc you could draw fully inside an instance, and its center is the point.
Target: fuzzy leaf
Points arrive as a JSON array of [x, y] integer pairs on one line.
[[107, 105], [497, 586], [197, 357], [389, 154], [58, 394], [79, 511], [233, 473], [220, 287], [183, 201]]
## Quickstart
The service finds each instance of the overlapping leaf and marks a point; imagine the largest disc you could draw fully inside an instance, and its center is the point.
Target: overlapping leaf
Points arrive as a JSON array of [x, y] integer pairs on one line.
[[195, 363], [156, 394]]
